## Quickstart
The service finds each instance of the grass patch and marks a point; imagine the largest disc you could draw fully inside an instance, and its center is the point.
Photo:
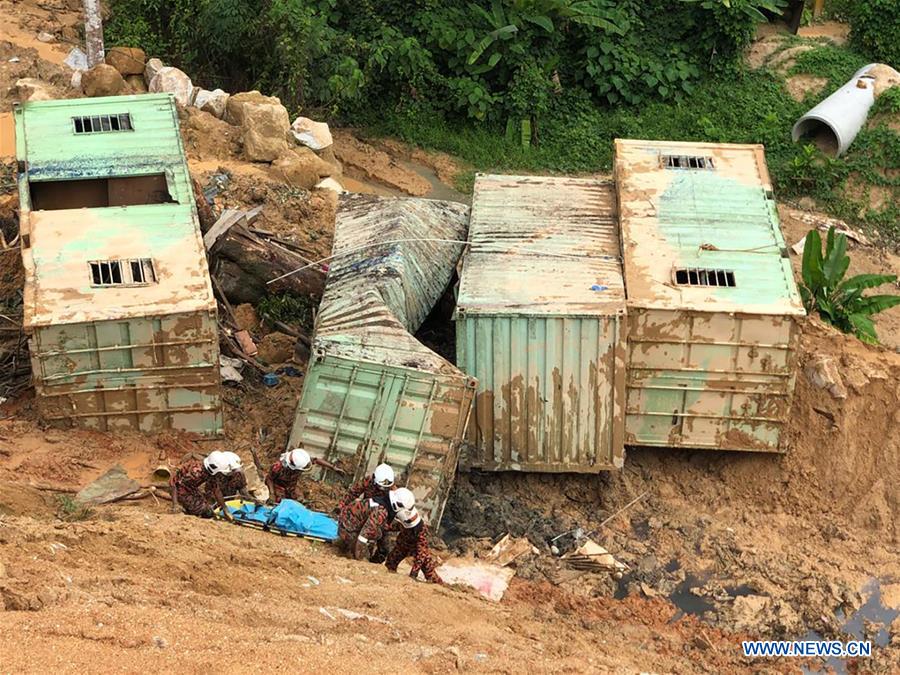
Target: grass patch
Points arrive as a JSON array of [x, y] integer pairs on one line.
[[70, 510], [287, 308], [828, 61]]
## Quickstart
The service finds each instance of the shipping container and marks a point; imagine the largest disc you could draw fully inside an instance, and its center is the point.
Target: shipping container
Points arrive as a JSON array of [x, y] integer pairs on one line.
[[118, 303], [373, 393], [540, 325], [713, 308]]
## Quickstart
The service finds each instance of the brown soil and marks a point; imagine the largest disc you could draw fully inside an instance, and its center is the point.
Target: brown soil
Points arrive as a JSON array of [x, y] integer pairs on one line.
[[834, 31], [363, 161], [800, 86]]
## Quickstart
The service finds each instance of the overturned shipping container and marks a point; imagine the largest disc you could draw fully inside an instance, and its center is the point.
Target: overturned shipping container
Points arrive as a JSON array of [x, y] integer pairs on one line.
[[540, 325], [118, 303], [373, 393], [713, 308]]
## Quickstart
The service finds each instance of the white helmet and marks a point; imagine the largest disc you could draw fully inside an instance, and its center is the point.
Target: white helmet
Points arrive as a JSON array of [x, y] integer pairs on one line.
[[297, 459], [217, 462], [402, 499], [409, 518], [232, 463], [384, 476]]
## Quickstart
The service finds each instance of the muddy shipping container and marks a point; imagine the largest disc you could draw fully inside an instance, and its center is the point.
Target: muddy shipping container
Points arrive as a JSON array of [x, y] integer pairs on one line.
[[373, 393], [118, 304], [713, 308], [540, 324]]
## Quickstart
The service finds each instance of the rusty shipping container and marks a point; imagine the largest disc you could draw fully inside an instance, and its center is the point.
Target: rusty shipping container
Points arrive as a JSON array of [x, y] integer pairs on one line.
[[540, 324], [713, 307], [118, 302], [373, 393]]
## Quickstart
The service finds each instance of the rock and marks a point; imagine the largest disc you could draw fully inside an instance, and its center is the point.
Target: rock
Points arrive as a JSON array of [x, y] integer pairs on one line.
[[823, 372], [45, 37], [275, 348], [102, 80], [31, 89], [234, 110], [136, 84], [312, 134], [246, 318], [328, 155], [151, 69], [885, 78], [214, 102], [301, 168], [77, 59], [265, 128], [173, 81], [127, 60], [330, 184], [748, 611]]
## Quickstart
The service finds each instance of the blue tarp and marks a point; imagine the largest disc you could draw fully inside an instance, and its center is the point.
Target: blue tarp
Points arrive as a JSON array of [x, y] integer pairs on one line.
[[289, 516]]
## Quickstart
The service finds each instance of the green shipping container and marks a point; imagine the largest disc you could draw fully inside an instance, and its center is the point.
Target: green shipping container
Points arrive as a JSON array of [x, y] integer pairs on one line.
[[540, 324], [373, 393], [713, 308], [118, 303]]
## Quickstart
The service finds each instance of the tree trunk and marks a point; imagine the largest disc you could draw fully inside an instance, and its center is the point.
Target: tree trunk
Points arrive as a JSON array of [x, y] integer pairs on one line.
[[246, 262], [93, 33]]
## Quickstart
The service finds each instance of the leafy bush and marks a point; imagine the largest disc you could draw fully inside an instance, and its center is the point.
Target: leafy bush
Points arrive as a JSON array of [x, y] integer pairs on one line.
[[875, 29], [493, 60], [840, 301], [288, 309], [70, 510]]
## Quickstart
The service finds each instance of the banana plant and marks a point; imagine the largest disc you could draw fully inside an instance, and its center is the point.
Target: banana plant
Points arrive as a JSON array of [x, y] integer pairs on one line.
[[840, 301], [752, 8]]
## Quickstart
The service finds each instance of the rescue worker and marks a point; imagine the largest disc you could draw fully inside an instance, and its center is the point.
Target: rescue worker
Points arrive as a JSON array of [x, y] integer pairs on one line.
[[413, 541], [194, 475], [365, 522], [376, 485], [284, 475]]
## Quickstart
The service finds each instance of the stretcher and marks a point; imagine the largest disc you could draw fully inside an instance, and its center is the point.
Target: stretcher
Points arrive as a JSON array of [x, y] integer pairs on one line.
[[289, 519]]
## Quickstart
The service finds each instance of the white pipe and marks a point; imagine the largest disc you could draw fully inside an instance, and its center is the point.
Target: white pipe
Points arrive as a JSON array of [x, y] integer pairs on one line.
[[842, 114]]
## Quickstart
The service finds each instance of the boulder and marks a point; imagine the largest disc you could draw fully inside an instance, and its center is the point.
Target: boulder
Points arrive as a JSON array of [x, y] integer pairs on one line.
[[30, 89], [102, 80], [266, 127], [234, 110], [173, 81], [824, 372], [328, 155], [301, 168], [136, 84], [76, 59], [214, 102], [127, 60], [151, 69], [314, 135], [330, 184]]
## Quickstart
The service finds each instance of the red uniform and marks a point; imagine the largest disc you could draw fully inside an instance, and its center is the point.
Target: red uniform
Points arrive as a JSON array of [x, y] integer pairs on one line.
[[285, 480], [414, 542], [365, 520], [190, 478], [367, 488], [231, 485]]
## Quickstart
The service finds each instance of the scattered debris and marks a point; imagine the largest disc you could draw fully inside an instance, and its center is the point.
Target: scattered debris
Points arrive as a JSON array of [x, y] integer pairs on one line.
[[491, 581], [111, 486], [246, 343], [508, 549], [229, 369], [592, 557]]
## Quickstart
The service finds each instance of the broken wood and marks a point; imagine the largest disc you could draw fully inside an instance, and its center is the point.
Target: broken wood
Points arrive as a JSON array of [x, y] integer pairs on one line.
[[620, 511], [288, 330], [248, 262], [43, 487], [228, 219], [229, 310]]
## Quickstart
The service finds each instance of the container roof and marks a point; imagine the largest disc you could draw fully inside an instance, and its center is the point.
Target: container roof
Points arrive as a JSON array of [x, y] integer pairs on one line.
[[542, 246], [61, 243], [707, 208]]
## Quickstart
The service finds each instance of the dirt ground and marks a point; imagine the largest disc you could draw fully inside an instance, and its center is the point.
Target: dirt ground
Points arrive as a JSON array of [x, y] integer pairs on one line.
[[720, 547]]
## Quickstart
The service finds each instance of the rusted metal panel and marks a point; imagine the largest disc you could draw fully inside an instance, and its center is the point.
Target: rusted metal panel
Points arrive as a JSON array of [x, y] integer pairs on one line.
[[540, 325], [146, 374], [711, 360], [373, 392], [141, 355]]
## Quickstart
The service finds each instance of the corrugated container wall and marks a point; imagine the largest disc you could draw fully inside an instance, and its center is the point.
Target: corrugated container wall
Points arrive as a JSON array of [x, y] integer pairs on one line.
[[373, 393], [713, 308], [540, 325], [118, 302]]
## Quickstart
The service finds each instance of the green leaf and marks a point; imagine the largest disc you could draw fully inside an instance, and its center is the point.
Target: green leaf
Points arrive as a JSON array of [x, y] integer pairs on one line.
[[495, 58], [812, 262], [542, 21], [863, 328], [488, 40], [863, 281], [836, 261], [873, 304]]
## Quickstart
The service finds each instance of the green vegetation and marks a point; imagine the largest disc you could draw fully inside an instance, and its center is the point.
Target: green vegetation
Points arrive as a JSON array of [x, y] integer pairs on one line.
[[875, 29], [286, 308], [840, 301], [70, 510]]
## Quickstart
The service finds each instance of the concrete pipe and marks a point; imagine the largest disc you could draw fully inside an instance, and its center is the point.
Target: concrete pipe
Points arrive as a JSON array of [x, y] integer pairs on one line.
[[834, 123]]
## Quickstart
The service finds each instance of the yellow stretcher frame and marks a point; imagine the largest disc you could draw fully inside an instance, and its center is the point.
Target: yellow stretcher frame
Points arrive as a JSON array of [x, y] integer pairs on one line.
[[238, 503]]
